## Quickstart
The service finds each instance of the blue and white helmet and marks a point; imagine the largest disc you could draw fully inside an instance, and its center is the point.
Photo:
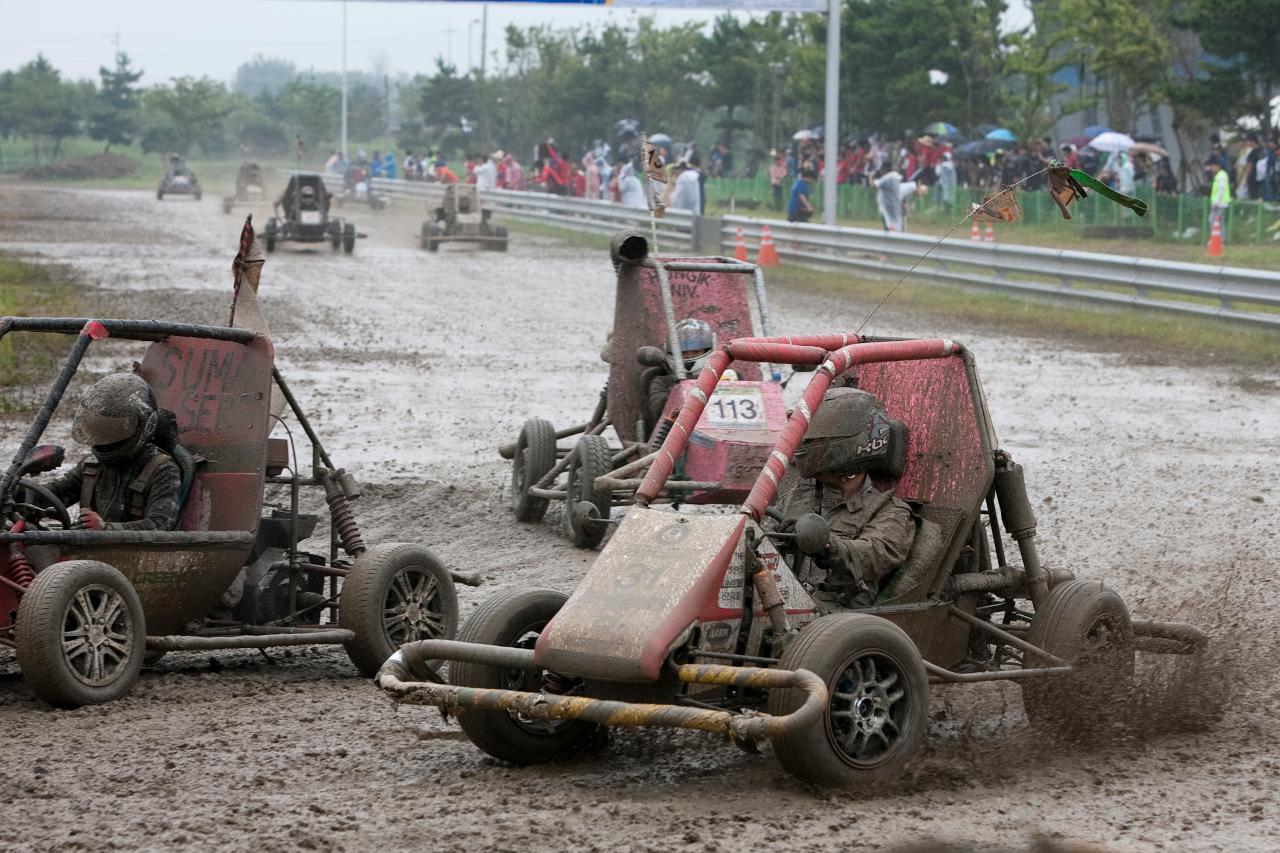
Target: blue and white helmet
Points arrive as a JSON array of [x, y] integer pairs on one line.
[[697, 342]]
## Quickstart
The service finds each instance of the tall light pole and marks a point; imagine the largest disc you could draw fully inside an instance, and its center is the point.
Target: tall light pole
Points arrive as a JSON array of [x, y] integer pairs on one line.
[[344, 79], [470, 39], [484, 35], [831, 124]]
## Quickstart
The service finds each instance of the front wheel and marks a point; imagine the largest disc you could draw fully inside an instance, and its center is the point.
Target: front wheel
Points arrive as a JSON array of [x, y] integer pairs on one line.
[[1087, 626], [348, 238], [535, 456], [878, 710], [514, 618], [81, 635], [591, 459], [395, 594]]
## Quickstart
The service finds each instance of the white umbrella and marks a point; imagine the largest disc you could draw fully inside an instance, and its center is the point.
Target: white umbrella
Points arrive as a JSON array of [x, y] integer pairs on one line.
[[804, 135], [1111, 141]]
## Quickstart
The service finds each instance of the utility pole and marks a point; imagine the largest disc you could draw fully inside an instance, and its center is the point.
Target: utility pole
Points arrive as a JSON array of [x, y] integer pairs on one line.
[[831, 125], [470, 41], [484, 35], [448, 35], [344, 80]]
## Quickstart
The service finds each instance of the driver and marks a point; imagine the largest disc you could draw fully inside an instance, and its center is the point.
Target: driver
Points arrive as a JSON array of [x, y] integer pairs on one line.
[[850, 437], [128, 483], [697, 342], [307, 198]]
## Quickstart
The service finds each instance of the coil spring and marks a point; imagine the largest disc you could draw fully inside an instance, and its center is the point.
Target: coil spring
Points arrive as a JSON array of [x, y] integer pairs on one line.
[[660, 435], [345, 523], [557, 684], [20, 570]]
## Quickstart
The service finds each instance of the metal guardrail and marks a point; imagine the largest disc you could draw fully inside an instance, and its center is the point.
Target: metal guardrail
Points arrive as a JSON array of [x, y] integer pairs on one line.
[[1231, 293]]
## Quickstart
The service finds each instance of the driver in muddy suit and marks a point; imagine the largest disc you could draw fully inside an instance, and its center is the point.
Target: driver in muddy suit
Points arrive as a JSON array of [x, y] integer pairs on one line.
[[871, 531], [128, 483], [697, 342]]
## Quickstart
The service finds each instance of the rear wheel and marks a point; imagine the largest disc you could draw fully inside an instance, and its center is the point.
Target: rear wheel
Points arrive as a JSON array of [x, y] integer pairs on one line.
[[591, 459], [535, 456], [514, 618], [269, 234], [81, 635], [348, 238], [395, 594], [159, 195], [1086, 625], [424, 236], [878, 709], [434, 232]]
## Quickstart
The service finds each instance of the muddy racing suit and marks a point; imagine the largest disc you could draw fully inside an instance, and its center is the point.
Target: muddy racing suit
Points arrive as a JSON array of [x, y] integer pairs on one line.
[[142, 495], [871, 535]]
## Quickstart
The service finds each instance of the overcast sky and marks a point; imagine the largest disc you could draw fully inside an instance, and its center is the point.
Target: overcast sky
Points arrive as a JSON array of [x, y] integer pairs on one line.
[[167, 38]]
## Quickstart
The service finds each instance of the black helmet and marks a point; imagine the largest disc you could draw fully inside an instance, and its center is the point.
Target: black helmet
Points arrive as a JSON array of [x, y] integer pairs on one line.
[[117, 417], [851, 434]]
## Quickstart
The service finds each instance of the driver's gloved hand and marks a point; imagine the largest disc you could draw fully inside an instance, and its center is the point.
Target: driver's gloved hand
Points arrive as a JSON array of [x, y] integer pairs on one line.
[[88, 520]]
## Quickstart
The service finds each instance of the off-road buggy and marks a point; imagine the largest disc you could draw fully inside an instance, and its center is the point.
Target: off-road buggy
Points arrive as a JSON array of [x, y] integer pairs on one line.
[[179, 180], [249, 187], [460, 218], [731, 440], [83, 608], [711, 622], [302, 216]]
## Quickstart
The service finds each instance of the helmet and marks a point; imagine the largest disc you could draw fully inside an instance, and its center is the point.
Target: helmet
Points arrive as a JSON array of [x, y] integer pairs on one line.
[[697, 340], [307, 191], [851, 434], [117, 416]]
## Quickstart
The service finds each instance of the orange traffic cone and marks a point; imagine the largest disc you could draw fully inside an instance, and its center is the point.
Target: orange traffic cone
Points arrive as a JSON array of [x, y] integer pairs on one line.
[[768, 255], [1215, 238], [740, 246], [991, 234], [974, 234]]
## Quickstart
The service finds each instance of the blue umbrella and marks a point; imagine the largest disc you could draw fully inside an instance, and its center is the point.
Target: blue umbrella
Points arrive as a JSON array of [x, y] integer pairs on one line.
[[1095, 130], [979, 147], [1003, 134]]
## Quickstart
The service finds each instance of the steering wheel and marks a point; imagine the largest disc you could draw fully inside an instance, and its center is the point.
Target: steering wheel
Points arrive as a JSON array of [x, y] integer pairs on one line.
[[56, 508]]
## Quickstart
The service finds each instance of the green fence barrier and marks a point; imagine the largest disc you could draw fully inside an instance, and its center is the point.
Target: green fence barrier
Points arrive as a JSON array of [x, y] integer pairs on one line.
[[1180, 218]]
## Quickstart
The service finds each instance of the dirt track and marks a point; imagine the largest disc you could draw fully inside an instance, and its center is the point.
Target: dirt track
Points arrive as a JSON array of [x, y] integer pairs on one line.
[[1159, 479]]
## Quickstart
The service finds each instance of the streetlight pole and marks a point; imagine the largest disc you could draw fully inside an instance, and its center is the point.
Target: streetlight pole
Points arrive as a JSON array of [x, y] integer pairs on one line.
[[344, 80], [470, 39], [831, 124], [484, 35]]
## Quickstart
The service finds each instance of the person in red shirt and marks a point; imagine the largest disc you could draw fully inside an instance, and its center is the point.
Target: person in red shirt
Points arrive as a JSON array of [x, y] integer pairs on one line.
[[444, 174], [557, 173]]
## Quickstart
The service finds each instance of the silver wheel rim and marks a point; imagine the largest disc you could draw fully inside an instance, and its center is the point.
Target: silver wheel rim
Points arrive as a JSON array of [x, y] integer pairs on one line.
[[413, 609], [97, 635], [869, 709], [531, 681]]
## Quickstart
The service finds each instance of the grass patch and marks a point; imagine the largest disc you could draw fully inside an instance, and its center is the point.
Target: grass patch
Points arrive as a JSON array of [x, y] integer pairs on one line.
[[28, 362], [1134, 331]]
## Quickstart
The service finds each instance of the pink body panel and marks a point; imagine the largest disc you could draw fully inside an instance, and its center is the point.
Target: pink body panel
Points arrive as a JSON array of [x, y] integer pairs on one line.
[[638, 320], [732, 438]]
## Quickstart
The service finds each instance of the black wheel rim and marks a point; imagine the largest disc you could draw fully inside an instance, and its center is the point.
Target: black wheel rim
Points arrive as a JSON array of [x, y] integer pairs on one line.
[[870, 709], [413, 609], [97, 635], [531, 681]]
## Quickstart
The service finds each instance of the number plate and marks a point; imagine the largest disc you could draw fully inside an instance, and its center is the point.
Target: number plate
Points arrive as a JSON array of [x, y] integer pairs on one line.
[[740, 408], [310, 217]]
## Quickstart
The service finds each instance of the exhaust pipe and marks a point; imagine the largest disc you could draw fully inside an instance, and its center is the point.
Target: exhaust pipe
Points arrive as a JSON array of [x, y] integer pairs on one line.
[[628, 247]]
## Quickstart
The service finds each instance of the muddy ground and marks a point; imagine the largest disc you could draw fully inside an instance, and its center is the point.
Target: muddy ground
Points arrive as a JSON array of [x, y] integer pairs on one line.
[[1158, 478]]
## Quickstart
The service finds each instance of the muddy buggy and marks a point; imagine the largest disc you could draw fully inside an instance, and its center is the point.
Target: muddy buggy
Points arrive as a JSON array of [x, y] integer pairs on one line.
[[179, 180], [302, 216], [249, 187], [84, 608], [731, 440], [460, 218], [712, 622]]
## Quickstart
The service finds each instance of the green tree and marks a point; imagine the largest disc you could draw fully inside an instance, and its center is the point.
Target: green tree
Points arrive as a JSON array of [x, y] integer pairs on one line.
[[312, 111], [264, 75], [1035, 57], [113, 119], [43, 107], [185, 113], [1244, 38]]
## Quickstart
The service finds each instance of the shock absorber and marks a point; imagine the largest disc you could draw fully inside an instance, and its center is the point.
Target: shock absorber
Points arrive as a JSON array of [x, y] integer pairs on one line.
[[20, 569], [343, 519], [557, 684]]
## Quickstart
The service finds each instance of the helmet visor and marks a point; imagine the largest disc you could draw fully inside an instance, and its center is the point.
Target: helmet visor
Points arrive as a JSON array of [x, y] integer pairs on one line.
[[92, 428]]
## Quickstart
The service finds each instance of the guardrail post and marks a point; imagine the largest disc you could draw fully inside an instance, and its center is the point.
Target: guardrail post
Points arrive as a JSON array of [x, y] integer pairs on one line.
[[705, 237]]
